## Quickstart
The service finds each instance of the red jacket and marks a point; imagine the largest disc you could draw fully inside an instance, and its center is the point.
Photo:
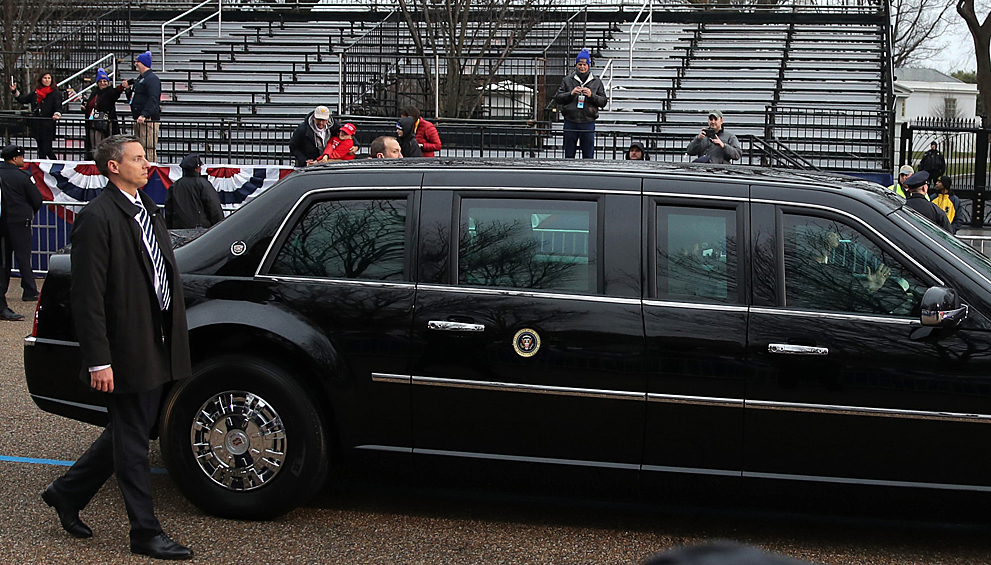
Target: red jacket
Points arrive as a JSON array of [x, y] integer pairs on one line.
[[428, 138], [338, 148]]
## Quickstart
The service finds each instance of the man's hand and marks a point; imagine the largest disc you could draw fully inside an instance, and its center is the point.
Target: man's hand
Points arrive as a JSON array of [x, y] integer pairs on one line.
[[123, 83], [876, 279], [702, 134], [310, 161], [718, 141], [102, 380], [354, 150], [576, 90], [140, 120]]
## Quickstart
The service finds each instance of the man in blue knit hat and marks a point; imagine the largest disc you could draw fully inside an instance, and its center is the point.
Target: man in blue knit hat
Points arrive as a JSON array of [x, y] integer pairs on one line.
[[144, 94], [580, 97]]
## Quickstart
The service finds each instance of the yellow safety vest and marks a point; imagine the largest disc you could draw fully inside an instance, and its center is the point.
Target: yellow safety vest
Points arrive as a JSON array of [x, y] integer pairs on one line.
[[946, 205], [897, 189]]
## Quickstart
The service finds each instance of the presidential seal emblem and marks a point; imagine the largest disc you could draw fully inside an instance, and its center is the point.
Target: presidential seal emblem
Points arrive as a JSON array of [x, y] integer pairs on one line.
[[526, 342], [238, 248]]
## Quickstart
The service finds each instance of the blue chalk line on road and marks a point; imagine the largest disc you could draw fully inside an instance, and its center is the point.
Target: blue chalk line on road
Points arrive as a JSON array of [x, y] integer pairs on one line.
[[10, 459]]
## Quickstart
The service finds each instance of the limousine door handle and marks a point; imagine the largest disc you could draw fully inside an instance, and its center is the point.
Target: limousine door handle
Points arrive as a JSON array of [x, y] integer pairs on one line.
[[446, 326], [789, 349]]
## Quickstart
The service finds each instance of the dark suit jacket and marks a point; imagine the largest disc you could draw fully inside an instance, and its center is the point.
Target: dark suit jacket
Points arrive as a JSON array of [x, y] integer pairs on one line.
[[114, 306], [192, 202], [20, 197]]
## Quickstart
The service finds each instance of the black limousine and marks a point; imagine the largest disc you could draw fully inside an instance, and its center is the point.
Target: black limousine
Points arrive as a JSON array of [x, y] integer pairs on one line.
[[653, 318]]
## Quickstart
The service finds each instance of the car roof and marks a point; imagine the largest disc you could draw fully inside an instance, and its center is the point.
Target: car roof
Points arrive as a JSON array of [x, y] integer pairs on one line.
[[739, 174]]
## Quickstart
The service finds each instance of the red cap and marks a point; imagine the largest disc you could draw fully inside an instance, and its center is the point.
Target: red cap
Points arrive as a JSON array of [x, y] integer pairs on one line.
[[349, 128]]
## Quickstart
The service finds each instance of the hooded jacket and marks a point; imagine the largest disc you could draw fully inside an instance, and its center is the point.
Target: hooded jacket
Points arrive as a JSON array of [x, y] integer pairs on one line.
[[569, 102], [304, 144], [192, 202], [408, 143], [646, 156]]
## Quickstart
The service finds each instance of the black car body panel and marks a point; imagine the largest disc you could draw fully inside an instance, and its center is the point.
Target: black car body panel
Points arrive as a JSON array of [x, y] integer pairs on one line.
[[647, 318]]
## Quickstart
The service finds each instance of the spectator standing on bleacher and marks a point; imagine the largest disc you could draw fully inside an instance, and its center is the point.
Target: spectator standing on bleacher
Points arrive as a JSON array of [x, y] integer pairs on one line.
[[145, 95], [46, 109], [101, 113], [580, 96], [932, 162], [19, 202], [426, 133], [715, 142], [192, 202], [311, 137]]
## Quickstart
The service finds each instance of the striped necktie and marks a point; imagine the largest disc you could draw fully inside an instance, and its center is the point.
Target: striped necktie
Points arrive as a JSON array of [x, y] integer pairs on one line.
[[151, 245]]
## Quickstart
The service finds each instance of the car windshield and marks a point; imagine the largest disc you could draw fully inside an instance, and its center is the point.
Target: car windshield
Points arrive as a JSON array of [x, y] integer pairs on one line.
[[958, 247]]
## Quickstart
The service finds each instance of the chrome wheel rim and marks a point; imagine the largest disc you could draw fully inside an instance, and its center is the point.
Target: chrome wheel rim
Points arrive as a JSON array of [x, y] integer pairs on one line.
[[238, 440]]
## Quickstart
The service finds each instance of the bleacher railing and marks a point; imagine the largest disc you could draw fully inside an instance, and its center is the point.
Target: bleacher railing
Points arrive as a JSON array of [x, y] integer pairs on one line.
[[636, 28], [106, 62], [219, 14]]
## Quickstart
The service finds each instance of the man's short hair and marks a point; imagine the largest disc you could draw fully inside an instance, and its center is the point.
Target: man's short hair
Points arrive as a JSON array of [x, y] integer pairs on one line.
[[378, 145], [111, 149]]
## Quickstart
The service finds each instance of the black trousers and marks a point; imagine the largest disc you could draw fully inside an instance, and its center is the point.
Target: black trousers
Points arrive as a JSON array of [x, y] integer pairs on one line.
[[122, 448], [17, 243]]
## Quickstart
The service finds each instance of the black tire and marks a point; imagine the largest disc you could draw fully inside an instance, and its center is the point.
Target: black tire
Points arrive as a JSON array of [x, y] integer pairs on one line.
[[240, 490]]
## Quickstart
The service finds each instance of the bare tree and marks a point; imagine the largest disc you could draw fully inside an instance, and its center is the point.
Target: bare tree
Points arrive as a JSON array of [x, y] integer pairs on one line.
[[917, 28], [473, 38], [21, 24], [981, 33]]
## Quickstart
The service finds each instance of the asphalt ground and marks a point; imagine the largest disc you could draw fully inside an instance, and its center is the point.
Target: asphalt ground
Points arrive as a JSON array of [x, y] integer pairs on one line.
[[356, 521]]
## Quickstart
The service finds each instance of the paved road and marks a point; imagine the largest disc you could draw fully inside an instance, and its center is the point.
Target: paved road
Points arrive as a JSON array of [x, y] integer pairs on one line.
[[373, 523]]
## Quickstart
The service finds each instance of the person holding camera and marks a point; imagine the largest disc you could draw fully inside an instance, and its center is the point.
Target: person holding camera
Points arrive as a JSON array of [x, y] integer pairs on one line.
[[714, 142], [145, 95], [580, 96], [46, 109], [100, 110]]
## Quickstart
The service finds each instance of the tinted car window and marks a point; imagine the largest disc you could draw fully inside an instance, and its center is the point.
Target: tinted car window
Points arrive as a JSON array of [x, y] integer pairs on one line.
[[831, 266], [696, 254], [531, 244], [353, 239]]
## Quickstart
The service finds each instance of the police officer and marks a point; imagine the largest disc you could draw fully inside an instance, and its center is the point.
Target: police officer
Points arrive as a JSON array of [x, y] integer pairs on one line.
[[20, 201], [918, 200]]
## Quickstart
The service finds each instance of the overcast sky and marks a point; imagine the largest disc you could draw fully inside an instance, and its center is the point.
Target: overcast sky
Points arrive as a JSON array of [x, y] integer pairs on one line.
[[959, 52]]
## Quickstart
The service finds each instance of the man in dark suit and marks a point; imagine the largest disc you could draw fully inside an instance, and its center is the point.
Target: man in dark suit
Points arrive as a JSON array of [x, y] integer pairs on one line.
[[130, 320], [21, 200]]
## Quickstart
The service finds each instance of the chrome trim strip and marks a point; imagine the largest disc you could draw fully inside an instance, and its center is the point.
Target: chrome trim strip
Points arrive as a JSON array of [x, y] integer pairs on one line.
[[31, 341], [692, 471], [697, 196], [856, 219], [389, 378], [306, 195], [695, 305], [388, 448], [528, 294], [537, 189], [868, 411], [695, 400], [527, 459], [359, 282], [872, 482], [534, 389], [788, 349], [90, 407], [834, 315], [444, 326]]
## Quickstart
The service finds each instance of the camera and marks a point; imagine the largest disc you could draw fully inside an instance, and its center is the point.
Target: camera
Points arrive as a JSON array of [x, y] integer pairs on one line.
[[710, 133]]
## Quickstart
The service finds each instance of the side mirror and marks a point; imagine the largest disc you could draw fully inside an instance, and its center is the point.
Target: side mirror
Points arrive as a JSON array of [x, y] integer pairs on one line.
[[941, 308]]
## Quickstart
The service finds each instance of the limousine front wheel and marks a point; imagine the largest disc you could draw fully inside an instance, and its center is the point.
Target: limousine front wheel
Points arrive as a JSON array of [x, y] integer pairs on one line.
[[243, 440]]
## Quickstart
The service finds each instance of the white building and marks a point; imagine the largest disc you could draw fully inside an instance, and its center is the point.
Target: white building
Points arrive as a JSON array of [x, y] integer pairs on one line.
[[925, 93]]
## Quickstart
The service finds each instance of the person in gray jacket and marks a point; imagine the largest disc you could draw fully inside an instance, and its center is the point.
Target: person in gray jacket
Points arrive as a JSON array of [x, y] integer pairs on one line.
[[580, 96], [714, 142]]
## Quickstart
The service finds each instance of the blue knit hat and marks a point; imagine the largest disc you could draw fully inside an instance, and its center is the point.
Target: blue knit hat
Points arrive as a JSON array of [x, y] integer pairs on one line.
[[584, 55], [144, 59], [101, 74]]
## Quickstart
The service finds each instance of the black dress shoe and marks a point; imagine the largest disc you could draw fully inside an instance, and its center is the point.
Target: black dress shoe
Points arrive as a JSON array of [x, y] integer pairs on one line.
[[10, 315], [68, 516], [161, 547], [30, 297]]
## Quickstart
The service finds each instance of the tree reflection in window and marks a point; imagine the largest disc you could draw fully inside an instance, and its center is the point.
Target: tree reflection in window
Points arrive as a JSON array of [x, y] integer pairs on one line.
[[831, 266], [696, 254], [532, 244], [350, 239]]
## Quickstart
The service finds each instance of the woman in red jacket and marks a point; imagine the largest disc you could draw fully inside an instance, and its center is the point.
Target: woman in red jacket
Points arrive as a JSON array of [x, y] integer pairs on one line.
[[426, 133]]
